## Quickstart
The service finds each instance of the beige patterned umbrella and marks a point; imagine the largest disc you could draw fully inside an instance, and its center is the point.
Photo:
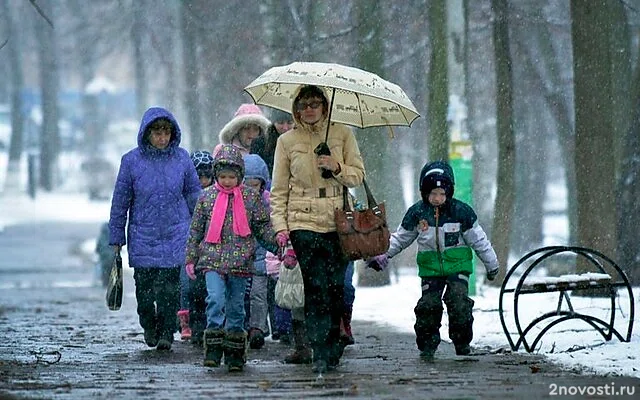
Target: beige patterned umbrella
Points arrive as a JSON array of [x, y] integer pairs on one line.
[[358, 98]]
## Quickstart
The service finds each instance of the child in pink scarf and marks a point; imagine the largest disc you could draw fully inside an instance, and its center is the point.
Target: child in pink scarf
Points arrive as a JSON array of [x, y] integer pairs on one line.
[[228, 219]]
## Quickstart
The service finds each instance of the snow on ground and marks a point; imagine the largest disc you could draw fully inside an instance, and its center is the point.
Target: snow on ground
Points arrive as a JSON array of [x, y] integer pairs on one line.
[[572, 343], [394, 305]]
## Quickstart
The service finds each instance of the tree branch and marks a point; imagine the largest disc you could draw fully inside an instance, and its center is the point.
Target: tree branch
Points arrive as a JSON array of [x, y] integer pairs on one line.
[[42, 14]]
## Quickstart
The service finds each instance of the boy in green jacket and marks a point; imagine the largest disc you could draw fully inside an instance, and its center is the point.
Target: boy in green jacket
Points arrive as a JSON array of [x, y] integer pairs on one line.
[[446, 231]]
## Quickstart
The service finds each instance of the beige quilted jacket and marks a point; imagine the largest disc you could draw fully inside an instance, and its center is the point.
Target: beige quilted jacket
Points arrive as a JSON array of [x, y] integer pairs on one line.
[[300, 197]]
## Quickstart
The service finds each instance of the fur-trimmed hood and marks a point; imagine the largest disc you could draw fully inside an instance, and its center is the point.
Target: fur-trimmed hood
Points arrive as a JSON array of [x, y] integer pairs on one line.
[[246, 114]]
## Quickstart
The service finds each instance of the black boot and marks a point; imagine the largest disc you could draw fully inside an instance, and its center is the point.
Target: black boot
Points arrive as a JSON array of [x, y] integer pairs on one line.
[[213, 347], [151, 336], [428, 346], [235, 350], [462, 349], [151, 331], [165, 341], [302, 351]]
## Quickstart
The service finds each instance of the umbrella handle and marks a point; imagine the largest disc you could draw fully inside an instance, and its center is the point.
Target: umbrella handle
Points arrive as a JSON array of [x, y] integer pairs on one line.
[[333, 95]]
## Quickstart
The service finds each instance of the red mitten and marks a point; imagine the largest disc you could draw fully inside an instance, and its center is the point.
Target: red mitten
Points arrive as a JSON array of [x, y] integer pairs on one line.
[[290, 260]]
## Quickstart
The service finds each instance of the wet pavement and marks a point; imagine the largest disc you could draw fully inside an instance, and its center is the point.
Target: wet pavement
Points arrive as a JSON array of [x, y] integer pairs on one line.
[[59, 341]]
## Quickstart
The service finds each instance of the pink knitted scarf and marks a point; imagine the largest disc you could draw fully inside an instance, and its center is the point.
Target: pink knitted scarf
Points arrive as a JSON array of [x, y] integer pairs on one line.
[[239, 218]]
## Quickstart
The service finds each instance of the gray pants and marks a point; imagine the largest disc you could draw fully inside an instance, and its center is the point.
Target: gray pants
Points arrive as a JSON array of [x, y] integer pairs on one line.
[[259, 305]]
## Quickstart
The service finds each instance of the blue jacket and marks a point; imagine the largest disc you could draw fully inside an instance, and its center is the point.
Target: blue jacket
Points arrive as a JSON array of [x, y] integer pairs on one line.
[[256, 168], [156, 190]]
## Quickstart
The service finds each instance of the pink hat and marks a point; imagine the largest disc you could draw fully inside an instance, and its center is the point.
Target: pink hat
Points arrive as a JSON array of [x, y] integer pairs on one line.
[[248, 108], [246, 114]]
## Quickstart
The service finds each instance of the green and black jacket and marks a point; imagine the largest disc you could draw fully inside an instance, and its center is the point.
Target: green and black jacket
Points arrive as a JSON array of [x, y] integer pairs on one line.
[[446, 236]]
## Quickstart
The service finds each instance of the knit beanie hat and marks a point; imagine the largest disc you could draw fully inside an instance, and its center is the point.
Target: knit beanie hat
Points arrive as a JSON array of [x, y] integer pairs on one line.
[[203, 161], [437, 174], [276, 115]]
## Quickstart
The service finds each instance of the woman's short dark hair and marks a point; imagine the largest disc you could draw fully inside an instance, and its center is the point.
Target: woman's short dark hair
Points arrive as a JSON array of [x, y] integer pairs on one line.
[[147, 132], [311, 91]]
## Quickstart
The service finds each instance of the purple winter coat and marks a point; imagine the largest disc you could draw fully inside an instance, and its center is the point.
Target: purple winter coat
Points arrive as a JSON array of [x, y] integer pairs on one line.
[[158, 190]]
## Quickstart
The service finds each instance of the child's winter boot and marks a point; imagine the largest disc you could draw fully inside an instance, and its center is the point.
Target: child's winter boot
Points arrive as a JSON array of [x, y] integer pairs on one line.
[[235, 350], [213, 347], [346, 337], [256, 338], [185, 330]]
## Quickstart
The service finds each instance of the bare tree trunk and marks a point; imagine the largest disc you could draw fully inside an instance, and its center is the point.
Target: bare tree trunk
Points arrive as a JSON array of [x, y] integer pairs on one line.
[[560, 107], [191, 67], [94, 124], [175, 67], [282, 33], [50, 137], [505, 198], [629, 193], [594, 102], [137, 35], [480, 90], [530, 170], [12, 182], [373, 141], [438, 82]]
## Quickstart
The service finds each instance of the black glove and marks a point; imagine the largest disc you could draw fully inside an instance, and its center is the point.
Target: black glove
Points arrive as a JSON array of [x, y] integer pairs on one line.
[[323, 150], [491, 275], [378, 263]]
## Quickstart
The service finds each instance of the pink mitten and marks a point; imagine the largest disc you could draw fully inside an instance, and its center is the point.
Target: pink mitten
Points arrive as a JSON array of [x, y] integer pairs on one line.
[[191, 271], [272, 263], [282, 238]]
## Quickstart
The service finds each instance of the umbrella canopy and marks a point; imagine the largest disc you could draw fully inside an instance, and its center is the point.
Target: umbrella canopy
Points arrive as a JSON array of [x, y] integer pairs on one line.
[[358, 98]]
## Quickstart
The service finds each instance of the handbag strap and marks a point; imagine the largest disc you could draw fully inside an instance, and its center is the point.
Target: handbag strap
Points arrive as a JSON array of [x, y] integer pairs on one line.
[[345, 200], [371, 201]]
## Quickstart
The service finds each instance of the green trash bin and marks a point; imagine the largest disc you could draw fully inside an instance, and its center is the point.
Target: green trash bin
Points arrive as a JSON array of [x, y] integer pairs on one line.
[[460, 158]]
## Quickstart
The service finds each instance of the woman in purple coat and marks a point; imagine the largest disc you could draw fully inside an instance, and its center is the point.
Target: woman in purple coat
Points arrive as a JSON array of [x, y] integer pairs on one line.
[[156, 189]]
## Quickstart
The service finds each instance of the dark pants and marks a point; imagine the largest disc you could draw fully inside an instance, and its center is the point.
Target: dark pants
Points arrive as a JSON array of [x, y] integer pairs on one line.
[[197, 299], [323, 268], [271, 302], [429, 311], [157, 294]]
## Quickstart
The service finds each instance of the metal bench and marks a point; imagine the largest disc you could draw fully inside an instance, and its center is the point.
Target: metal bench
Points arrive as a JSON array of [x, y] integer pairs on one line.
[[607, 277]]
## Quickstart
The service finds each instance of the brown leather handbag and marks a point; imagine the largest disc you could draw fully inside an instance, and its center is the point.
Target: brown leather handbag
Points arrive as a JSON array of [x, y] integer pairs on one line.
[[362, 233]]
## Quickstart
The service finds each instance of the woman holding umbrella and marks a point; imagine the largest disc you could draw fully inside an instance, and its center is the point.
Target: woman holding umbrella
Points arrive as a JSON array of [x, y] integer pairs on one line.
[[313, 163]]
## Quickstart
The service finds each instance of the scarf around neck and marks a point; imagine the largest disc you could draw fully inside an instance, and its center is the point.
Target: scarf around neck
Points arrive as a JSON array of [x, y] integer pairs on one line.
[[239, 214]]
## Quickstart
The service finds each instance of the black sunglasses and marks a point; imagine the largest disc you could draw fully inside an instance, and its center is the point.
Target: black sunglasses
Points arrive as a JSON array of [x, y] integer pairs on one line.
[[313, 104]]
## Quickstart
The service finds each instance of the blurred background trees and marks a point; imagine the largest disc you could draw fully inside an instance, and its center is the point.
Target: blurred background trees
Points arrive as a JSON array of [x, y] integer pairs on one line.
[[545, 92]]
